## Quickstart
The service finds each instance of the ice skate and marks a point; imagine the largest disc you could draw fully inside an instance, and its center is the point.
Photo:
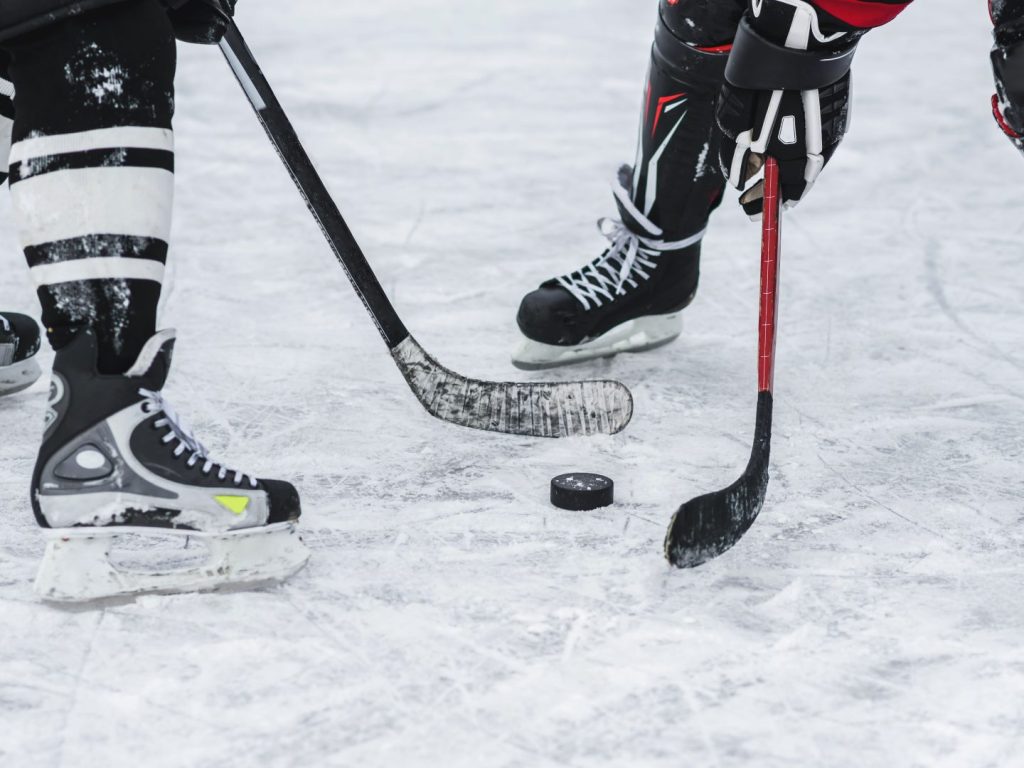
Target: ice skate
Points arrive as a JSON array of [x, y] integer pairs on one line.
[[116, 464], [19, 343], [629, 299]]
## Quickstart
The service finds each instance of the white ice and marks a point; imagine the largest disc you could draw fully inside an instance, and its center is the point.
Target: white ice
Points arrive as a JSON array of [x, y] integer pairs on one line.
[[450, 617]]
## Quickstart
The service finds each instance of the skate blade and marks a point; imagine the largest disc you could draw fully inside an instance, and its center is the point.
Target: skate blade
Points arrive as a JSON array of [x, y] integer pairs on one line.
[[82, 565], [640, 335], [19, 376]]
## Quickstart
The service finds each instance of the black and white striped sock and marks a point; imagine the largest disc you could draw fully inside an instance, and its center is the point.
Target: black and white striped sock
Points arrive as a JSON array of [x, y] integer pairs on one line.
[[94, 217], [6, 121], [91, 172]]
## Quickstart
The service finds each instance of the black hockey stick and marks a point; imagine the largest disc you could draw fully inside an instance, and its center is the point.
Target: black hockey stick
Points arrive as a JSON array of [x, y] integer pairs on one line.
[[705, 527], [556, 409]]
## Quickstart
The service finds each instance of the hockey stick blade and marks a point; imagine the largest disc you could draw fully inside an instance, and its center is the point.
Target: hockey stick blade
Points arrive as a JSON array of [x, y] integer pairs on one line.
[[549, 409], [705, 527], [709, 525], [542, 409]]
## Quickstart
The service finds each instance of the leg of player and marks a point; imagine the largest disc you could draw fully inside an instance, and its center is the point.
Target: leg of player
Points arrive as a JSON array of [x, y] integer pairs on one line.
[[91, 174], [630, 297], [19, 334]]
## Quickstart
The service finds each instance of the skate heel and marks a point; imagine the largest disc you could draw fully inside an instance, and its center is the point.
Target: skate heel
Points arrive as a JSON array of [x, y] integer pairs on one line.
[[77, 568]]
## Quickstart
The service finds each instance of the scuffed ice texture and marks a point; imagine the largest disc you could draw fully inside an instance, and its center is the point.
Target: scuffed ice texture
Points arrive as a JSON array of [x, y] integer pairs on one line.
[[539, 409], [872, 617]]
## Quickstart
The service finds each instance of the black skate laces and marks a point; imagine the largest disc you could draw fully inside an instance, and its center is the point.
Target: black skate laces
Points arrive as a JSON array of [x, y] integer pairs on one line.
[[155, 403], [627, 258]]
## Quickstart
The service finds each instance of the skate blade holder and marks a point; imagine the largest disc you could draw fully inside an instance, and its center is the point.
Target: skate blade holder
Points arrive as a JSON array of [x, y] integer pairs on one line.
[[85, 564]]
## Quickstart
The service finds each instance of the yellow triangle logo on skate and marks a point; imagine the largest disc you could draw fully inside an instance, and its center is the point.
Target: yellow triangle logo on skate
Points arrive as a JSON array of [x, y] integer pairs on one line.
[[236, 504]]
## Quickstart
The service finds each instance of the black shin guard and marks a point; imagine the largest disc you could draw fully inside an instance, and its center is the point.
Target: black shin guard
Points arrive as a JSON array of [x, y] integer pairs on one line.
[[91, 171], [676, 180], [630, 298]]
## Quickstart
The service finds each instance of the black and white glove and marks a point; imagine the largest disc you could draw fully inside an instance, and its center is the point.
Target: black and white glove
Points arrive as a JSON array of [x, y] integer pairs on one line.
[[786, 94], [1008, 68], [200, 21]]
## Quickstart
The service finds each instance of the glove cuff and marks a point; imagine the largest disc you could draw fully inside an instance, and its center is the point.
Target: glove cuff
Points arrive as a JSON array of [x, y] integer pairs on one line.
[[685, 62], [760, 65]]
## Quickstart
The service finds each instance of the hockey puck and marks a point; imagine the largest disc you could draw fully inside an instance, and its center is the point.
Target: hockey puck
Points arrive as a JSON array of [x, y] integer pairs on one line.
[[582, 491]]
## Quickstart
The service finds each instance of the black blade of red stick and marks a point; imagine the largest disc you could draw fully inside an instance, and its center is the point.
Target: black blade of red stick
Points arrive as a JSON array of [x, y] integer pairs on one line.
[[705, 527], [709, 525]]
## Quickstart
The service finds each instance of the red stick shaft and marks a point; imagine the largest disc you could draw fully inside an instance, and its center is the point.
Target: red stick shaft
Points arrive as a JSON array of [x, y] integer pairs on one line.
[[769, 277]]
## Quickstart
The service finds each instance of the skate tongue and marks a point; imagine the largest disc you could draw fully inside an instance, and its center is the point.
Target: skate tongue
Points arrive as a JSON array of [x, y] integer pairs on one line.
[[154, 361]]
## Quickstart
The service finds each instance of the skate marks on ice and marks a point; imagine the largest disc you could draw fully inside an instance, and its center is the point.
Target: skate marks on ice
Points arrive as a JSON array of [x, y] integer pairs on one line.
[[932, 248], [555, 409]]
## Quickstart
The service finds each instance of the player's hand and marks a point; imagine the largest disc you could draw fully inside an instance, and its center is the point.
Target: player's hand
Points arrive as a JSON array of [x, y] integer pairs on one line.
[[1008, 69], [787, 95], [200, 21]]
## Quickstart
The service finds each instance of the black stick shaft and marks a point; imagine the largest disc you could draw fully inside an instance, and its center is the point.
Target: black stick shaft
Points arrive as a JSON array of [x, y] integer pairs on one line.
[[311, 186]]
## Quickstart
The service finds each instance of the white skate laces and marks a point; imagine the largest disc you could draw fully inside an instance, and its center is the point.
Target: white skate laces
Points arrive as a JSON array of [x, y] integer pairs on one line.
[[625, 262], [155, 403]]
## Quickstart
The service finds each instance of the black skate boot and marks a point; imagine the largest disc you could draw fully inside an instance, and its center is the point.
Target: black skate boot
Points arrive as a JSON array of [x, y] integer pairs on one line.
[[19, 343], [630, 298], [115, 459]]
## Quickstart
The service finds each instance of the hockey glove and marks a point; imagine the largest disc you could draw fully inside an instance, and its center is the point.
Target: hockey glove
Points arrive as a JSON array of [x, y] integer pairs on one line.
[[786, 94], [1008, 68], [200, 21]]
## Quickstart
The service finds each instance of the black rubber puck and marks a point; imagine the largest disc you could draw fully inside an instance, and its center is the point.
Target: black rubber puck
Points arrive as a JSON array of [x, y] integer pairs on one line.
[[582, 491]]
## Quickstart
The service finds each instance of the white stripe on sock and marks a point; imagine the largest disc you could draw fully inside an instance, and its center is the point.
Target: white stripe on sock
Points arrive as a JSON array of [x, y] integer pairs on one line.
[[6, 88], [103, 268], [94, 201], [102, 138]]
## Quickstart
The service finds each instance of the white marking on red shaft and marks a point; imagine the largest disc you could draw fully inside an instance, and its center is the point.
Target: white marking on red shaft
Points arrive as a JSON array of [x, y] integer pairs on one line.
[[769, 277]]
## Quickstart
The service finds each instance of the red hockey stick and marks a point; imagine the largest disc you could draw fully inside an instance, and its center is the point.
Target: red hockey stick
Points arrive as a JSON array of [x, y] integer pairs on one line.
[[705, 527]]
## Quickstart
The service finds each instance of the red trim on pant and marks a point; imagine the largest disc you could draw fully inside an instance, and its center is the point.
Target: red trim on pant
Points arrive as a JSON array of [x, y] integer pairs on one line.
[[862, 14], [998, 115]]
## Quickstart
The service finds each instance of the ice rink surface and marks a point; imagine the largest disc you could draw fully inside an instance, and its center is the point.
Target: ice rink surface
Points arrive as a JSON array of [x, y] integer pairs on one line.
[[450, 617]]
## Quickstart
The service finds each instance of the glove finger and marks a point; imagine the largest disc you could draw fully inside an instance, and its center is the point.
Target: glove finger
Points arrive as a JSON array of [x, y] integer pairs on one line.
[[754, 164]]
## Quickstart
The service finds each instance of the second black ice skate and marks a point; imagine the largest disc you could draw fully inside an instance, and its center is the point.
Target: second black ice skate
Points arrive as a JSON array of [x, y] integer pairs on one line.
[[19, 343], [629, 299]]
